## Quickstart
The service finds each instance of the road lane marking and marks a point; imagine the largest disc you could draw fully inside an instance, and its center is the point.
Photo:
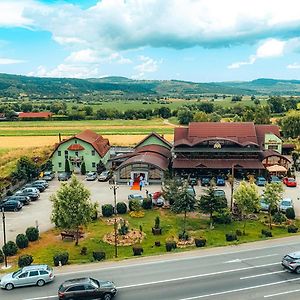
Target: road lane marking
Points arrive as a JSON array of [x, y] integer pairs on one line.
[[241, 289], [40, 298], [282, 293], [249, 258], [264, 274]]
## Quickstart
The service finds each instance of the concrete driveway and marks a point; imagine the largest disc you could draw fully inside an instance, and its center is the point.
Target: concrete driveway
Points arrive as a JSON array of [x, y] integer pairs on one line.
[[38, 213]]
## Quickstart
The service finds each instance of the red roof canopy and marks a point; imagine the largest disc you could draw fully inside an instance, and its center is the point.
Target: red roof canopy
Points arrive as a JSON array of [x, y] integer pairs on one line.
[[76, 147], [35, 115]]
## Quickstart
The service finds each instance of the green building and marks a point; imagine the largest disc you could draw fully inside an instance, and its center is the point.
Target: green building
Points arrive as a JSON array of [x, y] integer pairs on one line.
[[85, 147]]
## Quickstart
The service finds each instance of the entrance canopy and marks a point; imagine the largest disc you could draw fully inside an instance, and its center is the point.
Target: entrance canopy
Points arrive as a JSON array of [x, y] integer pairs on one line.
[[276, 168]]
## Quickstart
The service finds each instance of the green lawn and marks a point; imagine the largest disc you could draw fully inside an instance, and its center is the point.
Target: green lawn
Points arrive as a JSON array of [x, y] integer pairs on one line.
[[51, 243]]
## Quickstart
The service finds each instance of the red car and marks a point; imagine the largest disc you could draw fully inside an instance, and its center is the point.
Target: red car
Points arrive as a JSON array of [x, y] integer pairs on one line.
[[290, 182]]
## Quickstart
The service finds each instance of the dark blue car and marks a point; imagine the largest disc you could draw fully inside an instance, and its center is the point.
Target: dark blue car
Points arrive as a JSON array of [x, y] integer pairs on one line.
[[220, 181]]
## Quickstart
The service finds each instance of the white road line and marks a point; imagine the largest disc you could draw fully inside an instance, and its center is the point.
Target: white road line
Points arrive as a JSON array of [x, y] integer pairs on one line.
[[264, 274], [40, 298], [282, 293], [241, 289], [249, 258]]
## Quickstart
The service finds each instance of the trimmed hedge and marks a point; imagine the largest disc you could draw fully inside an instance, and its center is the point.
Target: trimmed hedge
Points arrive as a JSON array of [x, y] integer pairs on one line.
[[32, 234], [147, 203], [121, 208], [10, 249], [62, 257], [134, 205], [170, 245], [266, 233], [25, 260], [137, 250], [83, 251], [22, 241], [292, 229], [200, 242], [99, 255], [107, 210], [230, 237], [290, 213]]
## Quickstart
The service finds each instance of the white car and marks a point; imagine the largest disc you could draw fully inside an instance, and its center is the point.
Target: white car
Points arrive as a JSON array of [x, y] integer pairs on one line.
[[91, 176], [285, 204]]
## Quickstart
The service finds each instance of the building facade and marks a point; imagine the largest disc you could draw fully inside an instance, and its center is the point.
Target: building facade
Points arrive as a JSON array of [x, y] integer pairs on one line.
[[86, 147]]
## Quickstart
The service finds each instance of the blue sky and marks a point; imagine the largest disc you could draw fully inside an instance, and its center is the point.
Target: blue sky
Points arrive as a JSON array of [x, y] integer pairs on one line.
[[193, 40]]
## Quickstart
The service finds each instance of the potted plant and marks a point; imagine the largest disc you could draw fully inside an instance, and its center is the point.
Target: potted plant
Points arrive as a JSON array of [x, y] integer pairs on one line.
[[156, 230]]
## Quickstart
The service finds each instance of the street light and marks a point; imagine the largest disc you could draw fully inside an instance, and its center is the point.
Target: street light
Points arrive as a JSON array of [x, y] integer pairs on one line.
[[4, 236], [114, 187]]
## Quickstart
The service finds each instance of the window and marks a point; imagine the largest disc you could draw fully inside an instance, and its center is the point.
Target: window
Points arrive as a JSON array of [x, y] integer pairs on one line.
[[59, 164], [89, 287], [75, 141], [59, 153], [273, 147], [42, 272], [76, 153], [93, 152], [33, 273], [66, 153], [93, 164], [23, 275], [76, 288]]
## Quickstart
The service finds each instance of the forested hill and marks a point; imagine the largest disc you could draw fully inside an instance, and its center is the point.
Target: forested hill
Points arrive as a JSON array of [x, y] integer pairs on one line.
[[121, 87]]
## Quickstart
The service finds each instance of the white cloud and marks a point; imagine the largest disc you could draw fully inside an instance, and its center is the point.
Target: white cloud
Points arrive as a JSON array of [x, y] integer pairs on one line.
[[148, 65], [10, 61], [294, 66]]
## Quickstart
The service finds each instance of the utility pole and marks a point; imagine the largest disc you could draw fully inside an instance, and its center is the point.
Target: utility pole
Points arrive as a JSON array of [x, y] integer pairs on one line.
[[4, 236], [232, 183], [114, 187]]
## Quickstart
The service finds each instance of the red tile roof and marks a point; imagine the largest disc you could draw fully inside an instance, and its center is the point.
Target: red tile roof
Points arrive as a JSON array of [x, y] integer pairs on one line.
[[45, 115], [76, 147], [155, 149], [261, 130]]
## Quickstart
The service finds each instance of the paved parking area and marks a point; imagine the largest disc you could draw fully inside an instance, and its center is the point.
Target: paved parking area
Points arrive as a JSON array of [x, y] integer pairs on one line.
[[38, 212]]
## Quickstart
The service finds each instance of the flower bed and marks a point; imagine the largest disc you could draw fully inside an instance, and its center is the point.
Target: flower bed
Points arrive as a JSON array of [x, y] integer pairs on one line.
[[132, 237]]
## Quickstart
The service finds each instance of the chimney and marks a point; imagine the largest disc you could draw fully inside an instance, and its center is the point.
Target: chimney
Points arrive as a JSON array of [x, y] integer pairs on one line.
[[59, 137]]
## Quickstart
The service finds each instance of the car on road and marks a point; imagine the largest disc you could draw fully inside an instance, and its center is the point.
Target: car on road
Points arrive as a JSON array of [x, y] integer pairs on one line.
[[135, 197], [32, 192], [91, 176], [205, 181], [220, 181], [25, 200], [263, 205], [261, 181], [104, 176], [30, 275], [64, 176], [285, 204], [48, 175], [87, 288], [11, 205], [291, 262], [290, 182], [274, 179]]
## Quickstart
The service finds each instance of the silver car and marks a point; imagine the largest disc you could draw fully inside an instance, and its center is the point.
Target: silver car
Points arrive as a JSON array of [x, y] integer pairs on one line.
[[291, 262], [285, 204], [31, 275]]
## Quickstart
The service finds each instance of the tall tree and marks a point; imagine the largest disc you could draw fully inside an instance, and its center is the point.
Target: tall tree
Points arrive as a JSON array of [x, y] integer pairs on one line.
[[247, 199], [170, 189], [209, 203], [290, 125], [201, 116], [67, 166], [72, 207], [185, 116], [272, 196]]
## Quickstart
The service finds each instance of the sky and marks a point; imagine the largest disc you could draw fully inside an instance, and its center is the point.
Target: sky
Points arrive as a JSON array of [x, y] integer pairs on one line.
[[192, 40]]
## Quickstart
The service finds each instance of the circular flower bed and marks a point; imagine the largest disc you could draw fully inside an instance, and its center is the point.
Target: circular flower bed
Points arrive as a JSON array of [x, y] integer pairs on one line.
[[132, 237], [111, 221], [185, 243]]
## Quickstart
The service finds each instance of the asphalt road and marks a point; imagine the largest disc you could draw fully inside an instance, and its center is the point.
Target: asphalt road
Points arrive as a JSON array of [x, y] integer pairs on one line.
[[249, 271]]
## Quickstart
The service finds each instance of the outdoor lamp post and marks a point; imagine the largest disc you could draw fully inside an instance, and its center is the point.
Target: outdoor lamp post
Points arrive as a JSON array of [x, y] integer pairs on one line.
[[4, 236], [114, 187], [232, 184]]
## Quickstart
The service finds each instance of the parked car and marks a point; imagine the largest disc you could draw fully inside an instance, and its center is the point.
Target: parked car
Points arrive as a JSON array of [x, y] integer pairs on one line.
[[105, 175], [219, 193], [30, 275], [32, 192], [39, 186], [291, 262], [191, 190], [87, 288], [274, 179], [91, 176], [135, 197], [261, 181], [220, 181], [157, 199], [193, 181], [285, 204], [289, 181], [11, 205], [263, 205], [43, 182], [25, 200], [48, 175], [63, 176], [205, 181]]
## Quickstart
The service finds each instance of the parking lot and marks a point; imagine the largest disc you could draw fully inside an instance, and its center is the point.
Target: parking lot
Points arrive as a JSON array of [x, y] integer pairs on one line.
[[37, 213]]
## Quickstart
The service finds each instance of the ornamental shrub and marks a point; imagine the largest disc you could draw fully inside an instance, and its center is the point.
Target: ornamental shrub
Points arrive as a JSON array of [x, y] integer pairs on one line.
[[32, 234], [279, 218], [83, 251], [62, 257], [25, 260], [147, 203], [292, 229], [99, 255], [183, 236], [137, 250], [1, 257], [134, 205], [121, 208], [290, 213], [223, 217], [266, 233], [22, 241], [107, 210], [230, 237], [200, 242], [10, 249]]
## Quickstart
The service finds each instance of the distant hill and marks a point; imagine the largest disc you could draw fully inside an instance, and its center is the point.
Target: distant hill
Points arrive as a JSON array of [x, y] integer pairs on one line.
[[118, 87]]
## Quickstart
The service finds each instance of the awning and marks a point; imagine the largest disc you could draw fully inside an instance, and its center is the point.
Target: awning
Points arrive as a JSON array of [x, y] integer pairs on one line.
[[276, 168], [217, 164], [75, 147]]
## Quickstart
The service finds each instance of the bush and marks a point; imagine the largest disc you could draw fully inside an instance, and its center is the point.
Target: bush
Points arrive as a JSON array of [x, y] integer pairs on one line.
[[137, 250], [22, 241], [183, 236], [107, 210], [134, 205], [99, 255], [123, 230], [1, 257], [230, 237], [266, 233], [25, 260], [32, 234], [170, 245], [157, 222], [62, 257], [121, 208], [10, 249], [290, 213], [83, 251], [238, 232], [157, 243], [292, 229], [279, 218], [147, 203], [223, 217], [200, 242]]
